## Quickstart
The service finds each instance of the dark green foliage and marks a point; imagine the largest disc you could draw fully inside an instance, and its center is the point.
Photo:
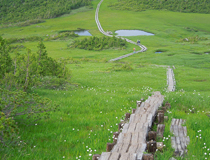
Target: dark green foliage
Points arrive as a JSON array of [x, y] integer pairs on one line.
[[25, 70], [121, 67], [95, 43], [5, 59], [18, 75], [15, 104], [186, 6], [23, 10], [61, 36], [21, 40]]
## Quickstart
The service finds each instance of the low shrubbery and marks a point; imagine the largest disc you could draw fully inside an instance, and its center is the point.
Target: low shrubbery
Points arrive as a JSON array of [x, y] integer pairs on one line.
[[18, 75], [19, 11], [96, 43], [190, 6], [61, 35], [193, 39]]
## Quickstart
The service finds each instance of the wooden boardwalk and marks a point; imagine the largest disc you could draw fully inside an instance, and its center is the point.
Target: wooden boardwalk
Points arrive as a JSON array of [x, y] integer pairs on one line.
[[171, 79], [131, 142], [180, 140], [143, 48]]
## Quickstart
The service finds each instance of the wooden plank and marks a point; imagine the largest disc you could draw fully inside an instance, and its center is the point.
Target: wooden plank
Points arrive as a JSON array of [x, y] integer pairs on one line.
[[114, 156], [124, 156], [149, 119], [180, 122], [131, 127], [120, 138], [105, 156], [128, 156], [181, 131], [142, 137], [133, 148], [124, 148], [125, 128], [185, 130], [173, 143], [117, 147], [177, 122], [135, 138], [131, 118], [141, 147]]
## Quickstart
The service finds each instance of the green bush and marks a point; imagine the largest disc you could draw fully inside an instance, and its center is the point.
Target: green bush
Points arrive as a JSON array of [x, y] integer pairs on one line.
[[96, 43], [32, 11], [190, 6]]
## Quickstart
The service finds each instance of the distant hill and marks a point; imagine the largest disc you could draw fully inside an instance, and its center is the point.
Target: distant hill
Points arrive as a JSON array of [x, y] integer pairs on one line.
[[22, 10], [186, 6]]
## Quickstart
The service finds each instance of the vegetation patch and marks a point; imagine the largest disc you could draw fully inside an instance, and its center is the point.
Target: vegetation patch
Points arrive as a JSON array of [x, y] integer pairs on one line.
[[17, 11], [195, 6], [198, 53], [99, 43], [160, 50], [61, 35], [193, 39], [121, 67]]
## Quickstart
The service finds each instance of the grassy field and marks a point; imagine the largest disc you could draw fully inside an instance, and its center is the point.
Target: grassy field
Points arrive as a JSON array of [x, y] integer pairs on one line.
[[91, 110]]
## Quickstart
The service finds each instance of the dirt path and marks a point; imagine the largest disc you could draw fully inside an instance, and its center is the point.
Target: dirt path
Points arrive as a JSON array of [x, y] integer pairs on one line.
[[143, 48]]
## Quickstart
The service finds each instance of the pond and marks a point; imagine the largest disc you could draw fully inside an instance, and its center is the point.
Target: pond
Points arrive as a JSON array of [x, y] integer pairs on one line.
[[83, 33], [132, 33], [158, 52]]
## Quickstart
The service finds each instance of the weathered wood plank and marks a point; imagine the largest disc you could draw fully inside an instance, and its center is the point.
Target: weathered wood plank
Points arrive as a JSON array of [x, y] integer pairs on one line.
[[131, 127], [135, 138], [105, 156], [125, 128], [117, 147], [114, 156], [124, 156], [133, 148]]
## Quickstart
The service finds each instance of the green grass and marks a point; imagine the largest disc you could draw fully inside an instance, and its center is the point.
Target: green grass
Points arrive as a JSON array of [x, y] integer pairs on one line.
[[104, 94]]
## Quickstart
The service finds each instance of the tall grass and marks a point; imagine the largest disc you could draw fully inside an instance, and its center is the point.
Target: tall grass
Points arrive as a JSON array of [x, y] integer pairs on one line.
[[102, 92]]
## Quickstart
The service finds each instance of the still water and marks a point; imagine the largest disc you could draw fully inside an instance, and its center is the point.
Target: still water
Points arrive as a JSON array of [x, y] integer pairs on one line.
[[132, 33]]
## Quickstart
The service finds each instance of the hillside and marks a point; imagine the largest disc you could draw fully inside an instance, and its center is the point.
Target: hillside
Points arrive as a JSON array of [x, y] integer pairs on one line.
[[22, 10], [89, 101], [185, 6]]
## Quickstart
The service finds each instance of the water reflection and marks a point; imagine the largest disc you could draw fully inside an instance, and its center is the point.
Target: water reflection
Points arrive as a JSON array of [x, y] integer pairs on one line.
[[132, 33], [83, 33]]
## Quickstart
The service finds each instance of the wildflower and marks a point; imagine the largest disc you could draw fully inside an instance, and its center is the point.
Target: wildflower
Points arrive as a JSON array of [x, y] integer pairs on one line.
[[63, 156]]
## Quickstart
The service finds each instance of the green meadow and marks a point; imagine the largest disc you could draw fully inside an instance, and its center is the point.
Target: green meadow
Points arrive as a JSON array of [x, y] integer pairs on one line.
[[101, 92]]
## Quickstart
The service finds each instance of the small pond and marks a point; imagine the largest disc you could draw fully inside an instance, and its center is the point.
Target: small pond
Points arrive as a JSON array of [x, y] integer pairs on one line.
[[83, 33], [132, 33]]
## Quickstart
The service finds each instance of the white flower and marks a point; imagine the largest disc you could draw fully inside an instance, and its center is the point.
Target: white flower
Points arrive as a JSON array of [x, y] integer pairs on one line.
[[63, 156]]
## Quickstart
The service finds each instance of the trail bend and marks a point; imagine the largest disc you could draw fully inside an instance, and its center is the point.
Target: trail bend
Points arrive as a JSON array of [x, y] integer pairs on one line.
[[143, 48]]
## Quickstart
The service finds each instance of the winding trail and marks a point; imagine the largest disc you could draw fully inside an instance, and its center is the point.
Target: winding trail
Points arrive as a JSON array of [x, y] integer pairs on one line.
[[143, 48]]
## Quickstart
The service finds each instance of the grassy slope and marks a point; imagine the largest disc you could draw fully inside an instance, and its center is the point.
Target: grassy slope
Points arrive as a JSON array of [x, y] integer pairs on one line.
[[104, 95]]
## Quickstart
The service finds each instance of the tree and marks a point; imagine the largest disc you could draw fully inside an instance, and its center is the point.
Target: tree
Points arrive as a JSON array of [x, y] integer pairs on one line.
[[19, 106], [5, 59]]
